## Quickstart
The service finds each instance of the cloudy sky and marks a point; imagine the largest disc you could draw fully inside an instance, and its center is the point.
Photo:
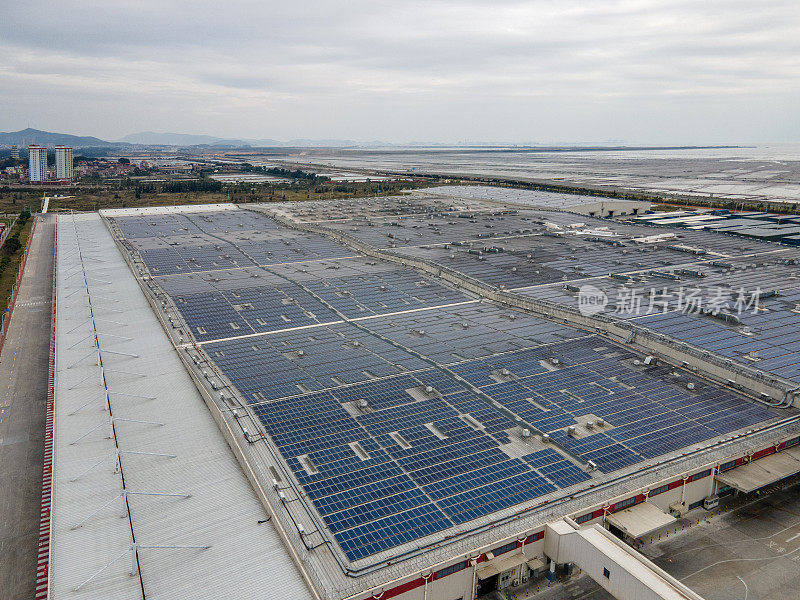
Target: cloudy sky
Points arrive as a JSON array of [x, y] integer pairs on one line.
[[639, 71]]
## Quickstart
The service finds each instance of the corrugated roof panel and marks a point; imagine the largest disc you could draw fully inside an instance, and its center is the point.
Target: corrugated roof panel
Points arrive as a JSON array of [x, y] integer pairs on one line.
[[219, 509]]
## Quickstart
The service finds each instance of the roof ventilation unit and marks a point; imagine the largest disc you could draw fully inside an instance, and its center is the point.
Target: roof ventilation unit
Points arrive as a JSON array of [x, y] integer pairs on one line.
[[650, 360], [589, 424], [690, 386], [572, 431], [526, 433], [592, 465], [600, 422], [545, 438]]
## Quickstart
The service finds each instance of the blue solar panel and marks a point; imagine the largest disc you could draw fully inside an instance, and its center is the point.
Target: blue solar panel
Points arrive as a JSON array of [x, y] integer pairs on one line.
[[434, 446]]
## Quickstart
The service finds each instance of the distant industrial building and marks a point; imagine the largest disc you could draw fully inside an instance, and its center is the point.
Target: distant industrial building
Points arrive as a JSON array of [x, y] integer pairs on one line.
[[15, 151], [592, 206], [37, 163], [760, 225], [64, 157]]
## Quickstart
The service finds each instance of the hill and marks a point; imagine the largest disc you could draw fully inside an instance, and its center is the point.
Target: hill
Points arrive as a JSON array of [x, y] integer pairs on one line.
[[47, 138], [152, 138]]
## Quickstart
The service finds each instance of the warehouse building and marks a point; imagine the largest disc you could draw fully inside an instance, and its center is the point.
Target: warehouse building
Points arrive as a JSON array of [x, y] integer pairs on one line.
[[393, 398]]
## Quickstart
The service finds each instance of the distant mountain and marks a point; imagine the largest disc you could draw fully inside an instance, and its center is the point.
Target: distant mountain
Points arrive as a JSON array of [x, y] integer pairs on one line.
[[332, 143], [152, 138], [47, 138]]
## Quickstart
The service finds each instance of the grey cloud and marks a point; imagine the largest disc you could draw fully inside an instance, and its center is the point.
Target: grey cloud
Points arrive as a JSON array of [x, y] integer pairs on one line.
[[427, 70]]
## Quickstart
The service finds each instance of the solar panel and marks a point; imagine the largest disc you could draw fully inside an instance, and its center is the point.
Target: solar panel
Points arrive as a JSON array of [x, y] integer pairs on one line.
[[395, 401]]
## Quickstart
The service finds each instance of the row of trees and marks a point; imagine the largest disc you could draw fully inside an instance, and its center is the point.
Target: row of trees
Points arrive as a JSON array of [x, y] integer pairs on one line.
[[12, 243], [177, 186], [284, 173]]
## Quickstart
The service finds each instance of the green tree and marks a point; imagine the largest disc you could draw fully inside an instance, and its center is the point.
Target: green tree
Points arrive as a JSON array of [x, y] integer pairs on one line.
[[12, 245]]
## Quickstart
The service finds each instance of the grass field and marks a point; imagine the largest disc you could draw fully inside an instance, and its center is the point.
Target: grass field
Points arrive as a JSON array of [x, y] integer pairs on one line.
[[15, 200], [8, 269]]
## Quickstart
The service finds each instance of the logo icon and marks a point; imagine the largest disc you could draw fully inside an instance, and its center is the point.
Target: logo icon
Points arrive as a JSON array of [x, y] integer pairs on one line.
[[591, 300]]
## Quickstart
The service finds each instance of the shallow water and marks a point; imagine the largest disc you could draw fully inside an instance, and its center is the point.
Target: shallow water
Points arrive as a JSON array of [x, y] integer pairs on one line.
[[762, 172]]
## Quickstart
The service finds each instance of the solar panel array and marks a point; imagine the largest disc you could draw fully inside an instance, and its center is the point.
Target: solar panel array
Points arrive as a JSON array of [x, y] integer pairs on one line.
[[396, 402], [538, 252], [766, 334]]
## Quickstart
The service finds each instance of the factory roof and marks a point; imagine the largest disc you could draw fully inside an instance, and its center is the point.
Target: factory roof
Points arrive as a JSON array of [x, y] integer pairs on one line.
[[390, 408], [532, 198], [133, 438]]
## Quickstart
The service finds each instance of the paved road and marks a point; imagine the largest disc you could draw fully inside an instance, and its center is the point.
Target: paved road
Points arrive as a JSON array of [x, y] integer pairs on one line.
[[23, 393], [758, 540]]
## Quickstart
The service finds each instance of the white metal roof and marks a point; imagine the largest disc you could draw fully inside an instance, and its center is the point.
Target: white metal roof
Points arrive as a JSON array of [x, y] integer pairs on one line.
[[640, 519], [157, 409], [165, 210], [507, 562], [757, 474]]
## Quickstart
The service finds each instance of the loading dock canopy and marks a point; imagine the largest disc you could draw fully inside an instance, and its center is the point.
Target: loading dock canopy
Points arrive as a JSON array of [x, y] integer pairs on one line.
[[535, 563], [761, 472], [502, 564], [639, 520]]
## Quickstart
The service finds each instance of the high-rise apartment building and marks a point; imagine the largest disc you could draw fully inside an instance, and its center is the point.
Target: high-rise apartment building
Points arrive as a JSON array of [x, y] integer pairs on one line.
[[37, 163], [64, 163], [15, 152]]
